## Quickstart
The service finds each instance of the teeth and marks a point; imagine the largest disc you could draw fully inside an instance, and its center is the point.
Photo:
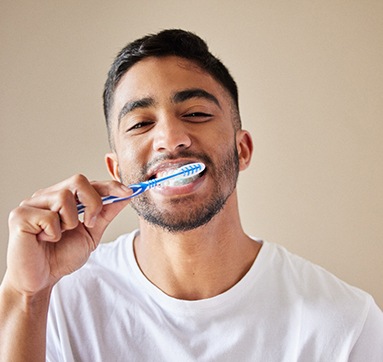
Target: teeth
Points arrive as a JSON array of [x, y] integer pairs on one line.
[[163, 173], [176, 181], [179, 181]]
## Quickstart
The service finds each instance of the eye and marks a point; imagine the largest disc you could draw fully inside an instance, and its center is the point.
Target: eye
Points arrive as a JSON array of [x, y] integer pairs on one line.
[[140, 126], [198, 116]]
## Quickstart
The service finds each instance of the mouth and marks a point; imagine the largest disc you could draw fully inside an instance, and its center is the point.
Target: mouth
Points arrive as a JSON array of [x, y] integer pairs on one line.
[[167, 169]]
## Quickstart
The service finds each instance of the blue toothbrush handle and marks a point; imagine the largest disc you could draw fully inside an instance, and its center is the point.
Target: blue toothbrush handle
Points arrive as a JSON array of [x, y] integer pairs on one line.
[[136, 188], [139, 188], [106, 200]]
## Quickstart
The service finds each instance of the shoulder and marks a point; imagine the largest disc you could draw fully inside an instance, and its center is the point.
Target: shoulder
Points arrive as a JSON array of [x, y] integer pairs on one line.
[[327, 307], [322, 296], [309, 279]]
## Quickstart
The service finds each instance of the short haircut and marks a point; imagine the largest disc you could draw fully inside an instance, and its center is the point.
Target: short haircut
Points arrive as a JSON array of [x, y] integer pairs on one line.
[[171, 42]]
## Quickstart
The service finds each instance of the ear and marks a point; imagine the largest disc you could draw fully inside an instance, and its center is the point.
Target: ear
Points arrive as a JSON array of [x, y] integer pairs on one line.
[[112, 166], [245, 148]]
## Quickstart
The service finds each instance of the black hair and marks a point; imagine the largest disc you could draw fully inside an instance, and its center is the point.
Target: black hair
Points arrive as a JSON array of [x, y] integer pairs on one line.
[[169, 42]]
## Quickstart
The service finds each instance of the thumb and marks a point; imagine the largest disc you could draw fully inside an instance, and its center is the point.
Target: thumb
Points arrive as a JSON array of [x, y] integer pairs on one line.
[[104, 218]]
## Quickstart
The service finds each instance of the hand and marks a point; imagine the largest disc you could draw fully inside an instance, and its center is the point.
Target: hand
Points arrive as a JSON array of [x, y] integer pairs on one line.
[[47, 240]]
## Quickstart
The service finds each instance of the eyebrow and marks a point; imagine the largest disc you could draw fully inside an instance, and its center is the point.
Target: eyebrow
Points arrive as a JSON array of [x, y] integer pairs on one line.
[[178, 97], [130, 106], [187, 94]]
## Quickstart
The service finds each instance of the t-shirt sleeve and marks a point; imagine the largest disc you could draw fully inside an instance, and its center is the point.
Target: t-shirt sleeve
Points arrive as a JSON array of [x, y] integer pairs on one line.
[[369, 345]]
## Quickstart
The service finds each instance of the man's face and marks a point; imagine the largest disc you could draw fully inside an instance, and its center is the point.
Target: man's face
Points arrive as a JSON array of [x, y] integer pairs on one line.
[[167, 112]]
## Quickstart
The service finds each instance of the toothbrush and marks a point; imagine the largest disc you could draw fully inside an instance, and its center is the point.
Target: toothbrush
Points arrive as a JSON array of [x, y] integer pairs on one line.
[[183, 172]]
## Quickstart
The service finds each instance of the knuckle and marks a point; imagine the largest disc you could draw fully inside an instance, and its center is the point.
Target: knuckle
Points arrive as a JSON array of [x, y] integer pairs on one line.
[[79, 179], [15, 214], [114, 183], [51, 218], [37, 193], [63, 196], [24, 202]]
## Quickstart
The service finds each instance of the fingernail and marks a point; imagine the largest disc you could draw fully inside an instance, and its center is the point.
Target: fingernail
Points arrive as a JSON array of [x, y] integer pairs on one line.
[[126, 188], [92, 222]]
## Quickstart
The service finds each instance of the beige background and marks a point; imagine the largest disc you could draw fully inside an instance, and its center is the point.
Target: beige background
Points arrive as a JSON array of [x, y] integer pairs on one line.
[[311, 87]]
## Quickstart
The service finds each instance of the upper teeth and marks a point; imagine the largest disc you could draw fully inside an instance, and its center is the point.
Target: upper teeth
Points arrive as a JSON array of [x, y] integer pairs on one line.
[[177, 181], [164, 173]]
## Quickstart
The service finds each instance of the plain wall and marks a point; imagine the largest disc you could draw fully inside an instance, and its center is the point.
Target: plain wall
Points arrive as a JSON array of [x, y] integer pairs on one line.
[[310, 76]]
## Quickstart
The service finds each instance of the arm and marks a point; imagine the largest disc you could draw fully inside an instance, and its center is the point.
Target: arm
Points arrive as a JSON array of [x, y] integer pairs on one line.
[[47, 242], [23, 324]]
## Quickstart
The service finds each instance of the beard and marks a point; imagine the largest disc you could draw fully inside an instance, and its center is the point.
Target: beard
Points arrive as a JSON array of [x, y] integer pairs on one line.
[[185, 214]]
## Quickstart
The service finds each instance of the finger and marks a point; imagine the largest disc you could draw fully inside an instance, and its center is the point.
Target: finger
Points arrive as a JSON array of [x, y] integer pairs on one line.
[[71, 184], [105, 217], [50, 228], [44, 224], [76, 182], [115, 188], [109, 212], [88, 193], [82, 192], [61, 202]]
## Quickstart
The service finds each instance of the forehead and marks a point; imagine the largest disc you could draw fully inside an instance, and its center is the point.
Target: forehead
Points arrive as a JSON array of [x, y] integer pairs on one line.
[[158, 78]]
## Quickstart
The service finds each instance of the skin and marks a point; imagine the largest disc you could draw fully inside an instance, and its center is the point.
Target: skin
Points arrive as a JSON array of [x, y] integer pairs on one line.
[[208, 260], [48, 242]]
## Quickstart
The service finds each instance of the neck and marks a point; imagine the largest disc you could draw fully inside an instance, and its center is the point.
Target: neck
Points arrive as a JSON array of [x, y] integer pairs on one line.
[[200, 263]]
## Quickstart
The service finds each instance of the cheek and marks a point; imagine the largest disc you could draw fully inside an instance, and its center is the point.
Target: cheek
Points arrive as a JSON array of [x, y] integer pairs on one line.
[[131, 164], [217, 136], [131, 149], [222, 141], [130, 175]]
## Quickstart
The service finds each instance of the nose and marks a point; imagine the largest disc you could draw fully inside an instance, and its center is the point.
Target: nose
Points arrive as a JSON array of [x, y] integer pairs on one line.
[[171, 135]]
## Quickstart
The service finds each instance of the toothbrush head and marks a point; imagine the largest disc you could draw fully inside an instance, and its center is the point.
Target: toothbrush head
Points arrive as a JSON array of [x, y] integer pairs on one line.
[[181, 175]]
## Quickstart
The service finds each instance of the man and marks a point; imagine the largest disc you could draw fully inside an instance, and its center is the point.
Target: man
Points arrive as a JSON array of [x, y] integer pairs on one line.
[[190, 284]]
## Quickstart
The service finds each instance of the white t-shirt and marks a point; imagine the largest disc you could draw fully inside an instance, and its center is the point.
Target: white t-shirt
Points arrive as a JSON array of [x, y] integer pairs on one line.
[[284, 309]]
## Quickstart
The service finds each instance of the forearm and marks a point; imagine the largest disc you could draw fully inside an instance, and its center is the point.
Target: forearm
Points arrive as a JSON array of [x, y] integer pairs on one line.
[[23, 322]]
